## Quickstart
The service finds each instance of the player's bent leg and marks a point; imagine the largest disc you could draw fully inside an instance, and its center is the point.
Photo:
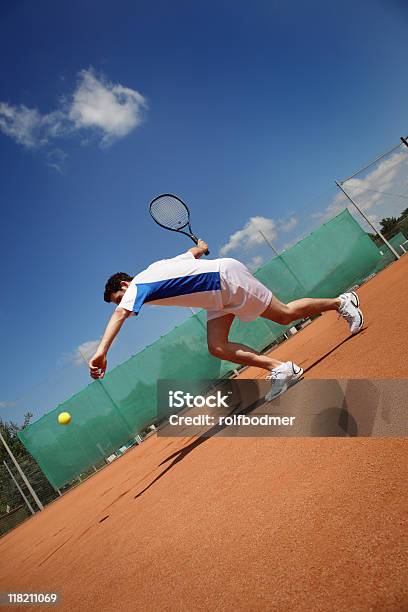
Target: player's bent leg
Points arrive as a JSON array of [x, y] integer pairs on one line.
[[282, 375], [220, 346]]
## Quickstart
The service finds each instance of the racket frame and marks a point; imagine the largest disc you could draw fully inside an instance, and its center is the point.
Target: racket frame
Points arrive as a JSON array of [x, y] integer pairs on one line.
[[171, 229]]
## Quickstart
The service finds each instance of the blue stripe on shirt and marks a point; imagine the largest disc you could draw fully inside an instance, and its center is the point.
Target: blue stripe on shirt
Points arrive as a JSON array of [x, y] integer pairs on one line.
[[172, 287]]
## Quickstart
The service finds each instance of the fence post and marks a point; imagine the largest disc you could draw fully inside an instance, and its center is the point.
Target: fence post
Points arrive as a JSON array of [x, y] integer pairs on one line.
[[23, 476], [340, 186], [18, 487]]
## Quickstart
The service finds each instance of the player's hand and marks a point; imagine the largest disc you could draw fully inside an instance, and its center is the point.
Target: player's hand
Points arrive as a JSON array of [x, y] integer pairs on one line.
[[202, 245], [97, 365]]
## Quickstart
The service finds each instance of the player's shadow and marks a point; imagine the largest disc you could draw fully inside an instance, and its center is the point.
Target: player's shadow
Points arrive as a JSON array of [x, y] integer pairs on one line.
[[356, 414], [348, 339], [179, 455], [328, 409]]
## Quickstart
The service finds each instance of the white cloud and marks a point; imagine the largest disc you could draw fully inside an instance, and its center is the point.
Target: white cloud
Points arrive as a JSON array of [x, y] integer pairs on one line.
[[28, 127], [288, 224], [249, 236], [255, 262], [7, 404], [82, 353], [113, 109], [380, 179], [375, 219], [387, 178], [110, 110], [56, 159]]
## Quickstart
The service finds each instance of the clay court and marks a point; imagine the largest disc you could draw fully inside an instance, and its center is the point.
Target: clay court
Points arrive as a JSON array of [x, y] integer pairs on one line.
[[242, 523]]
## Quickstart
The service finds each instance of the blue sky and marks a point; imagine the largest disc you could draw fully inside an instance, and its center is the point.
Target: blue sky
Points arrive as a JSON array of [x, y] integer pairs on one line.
[[247, 110]]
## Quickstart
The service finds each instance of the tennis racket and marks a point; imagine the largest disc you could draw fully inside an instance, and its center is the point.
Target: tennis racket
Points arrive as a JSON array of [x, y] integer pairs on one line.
[[171, 213]]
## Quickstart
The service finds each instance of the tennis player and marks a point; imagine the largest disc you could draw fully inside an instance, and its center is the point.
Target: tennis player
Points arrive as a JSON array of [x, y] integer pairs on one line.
[[226, 289]]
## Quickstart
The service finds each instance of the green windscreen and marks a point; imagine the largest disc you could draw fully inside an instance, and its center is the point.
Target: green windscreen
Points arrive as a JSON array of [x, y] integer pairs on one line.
[[107, 414], [396, 242], [386, 255]]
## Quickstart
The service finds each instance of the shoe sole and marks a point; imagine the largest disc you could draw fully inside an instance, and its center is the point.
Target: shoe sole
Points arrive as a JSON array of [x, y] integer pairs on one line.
[[269, 397], [288, 385], [355, 300], [360, 327]]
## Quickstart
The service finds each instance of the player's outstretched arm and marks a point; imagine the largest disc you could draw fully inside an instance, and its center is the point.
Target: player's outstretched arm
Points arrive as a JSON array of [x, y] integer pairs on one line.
[[199, 250], [98, 363]]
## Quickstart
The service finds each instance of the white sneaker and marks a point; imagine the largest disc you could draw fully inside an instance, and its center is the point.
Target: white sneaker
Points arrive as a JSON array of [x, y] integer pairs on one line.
[[283, 377], [350, 311]]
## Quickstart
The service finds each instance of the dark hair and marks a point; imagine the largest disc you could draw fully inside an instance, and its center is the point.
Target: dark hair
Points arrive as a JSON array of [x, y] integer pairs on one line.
[[113, 284]]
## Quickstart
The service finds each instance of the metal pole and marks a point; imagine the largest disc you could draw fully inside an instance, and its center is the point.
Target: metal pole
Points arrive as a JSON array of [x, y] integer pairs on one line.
[[23, 476], [404, 140], [339, 185], [268, 242], [100, 449], [18, 487]]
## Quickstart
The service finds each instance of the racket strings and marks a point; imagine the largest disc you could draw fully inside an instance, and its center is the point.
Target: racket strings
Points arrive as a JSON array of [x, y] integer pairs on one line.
[[170, 212]]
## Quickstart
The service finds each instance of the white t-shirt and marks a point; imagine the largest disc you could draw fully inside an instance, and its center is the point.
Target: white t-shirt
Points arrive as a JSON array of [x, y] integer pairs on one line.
[[180, 281]]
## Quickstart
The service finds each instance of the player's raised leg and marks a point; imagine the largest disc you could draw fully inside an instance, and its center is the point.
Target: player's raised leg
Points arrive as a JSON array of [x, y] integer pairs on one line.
[[347, 305], [298, 309]]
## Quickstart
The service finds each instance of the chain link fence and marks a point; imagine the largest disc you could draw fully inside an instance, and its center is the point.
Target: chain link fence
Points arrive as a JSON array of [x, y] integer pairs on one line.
[[16, 500], [378, 194]]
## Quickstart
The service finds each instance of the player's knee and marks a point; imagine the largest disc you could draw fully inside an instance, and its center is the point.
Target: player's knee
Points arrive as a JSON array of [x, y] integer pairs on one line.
[[285, 316]]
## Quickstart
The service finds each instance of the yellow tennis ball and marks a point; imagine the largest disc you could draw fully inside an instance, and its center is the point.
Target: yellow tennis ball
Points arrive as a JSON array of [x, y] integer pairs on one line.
[[64, 418]]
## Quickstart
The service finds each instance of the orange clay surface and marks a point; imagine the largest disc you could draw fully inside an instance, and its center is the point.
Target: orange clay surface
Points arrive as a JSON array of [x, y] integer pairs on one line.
[[302, 524]]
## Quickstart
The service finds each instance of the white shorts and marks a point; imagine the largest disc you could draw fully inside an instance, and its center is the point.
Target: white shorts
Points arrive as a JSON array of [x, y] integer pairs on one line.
[[242, 294]]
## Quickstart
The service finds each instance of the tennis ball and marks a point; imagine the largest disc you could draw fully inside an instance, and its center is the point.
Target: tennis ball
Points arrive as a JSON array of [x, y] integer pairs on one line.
[[64, 418]]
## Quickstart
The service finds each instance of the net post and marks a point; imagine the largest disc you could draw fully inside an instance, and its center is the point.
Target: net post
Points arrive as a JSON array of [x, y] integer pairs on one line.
[[340, 186]]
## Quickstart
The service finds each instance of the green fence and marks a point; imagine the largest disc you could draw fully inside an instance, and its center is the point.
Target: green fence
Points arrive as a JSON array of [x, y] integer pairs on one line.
[[108, 413], [396, 242], [386, 255]]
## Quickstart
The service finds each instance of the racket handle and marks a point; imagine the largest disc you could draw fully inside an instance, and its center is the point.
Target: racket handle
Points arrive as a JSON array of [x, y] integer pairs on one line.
[[195, 239]]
